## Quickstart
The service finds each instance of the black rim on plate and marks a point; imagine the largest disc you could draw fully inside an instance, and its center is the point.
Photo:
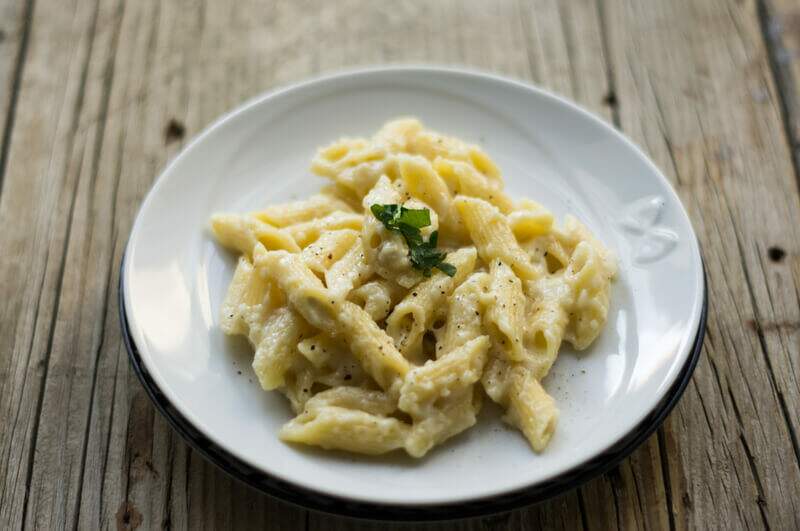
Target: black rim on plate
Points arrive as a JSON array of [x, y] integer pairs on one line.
[[310, 499]]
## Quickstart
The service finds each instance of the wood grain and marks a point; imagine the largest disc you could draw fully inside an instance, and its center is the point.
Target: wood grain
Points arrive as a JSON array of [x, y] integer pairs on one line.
[[14, 31], [780, 25], [96, 96], [700, 97]]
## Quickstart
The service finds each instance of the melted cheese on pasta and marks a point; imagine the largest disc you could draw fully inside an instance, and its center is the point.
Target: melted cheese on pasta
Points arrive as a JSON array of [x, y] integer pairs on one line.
[[373, 355]]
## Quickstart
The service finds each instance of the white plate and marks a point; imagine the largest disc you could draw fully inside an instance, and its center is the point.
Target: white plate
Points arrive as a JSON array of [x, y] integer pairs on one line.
[[174, 278]]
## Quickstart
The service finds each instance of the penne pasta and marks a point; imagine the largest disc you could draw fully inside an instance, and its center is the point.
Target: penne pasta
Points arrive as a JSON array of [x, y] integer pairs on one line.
[[314, 207], [384, 307], [242, 233], [492, 235]]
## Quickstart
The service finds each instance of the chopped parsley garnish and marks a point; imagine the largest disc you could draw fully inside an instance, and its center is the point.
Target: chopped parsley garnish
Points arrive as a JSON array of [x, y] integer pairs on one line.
[[408, 222]]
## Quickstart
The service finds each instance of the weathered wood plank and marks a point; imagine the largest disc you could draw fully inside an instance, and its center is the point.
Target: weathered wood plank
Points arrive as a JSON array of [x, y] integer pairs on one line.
[[780, 24], [37, 200], [700, 96], [137, 473], [14, 32]]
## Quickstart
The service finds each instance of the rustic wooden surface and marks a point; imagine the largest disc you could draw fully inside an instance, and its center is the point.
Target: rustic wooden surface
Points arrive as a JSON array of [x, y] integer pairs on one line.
[[96, 95]]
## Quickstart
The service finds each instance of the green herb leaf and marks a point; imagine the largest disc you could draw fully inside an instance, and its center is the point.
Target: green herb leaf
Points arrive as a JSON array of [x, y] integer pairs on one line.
[[385, 213], [447, 269], [415, 217], [408, 222], [434, 239]]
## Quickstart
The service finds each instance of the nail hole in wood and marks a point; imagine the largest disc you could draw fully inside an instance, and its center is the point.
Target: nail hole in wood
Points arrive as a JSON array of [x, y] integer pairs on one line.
[[175, 130], [128, 517], [610, 99], [776, 254]]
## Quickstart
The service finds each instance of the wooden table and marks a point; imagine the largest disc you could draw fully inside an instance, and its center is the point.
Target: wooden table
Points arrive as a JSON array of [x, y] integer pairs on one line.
[[96, 95]]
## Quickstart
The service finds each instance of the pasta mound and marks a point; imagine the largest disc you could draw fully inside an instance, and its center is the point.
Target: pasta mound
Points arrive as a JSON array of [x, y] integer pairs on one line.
[[376, 353]]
